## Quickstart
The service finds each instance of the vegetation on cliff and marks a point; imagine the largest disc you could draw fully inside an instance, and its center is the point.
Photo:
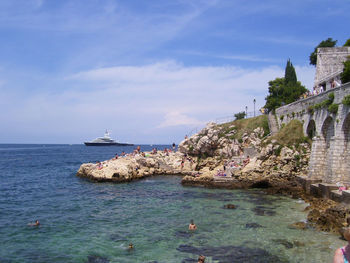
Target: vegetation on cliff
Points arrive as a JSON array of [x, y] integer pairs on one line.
[[345, 75], [291, 134], [242, 126]]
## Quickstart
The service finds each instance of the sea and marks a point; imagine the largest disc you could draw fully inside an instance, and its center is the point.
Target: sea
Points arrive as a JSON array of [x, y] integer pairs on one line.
[[85, 221]]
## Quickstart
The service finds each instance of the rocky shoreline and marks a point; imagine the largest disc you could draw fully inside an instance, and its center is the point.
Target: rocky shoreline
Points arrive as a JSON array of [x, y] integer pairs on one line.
[[273, 167]]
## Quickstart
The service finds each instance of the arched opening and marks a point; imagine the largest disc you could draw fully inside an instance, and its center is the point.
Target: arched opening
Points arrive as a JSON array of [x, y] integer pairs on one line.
[[345, 155], [346, 128], [328, 130], [311, 129]]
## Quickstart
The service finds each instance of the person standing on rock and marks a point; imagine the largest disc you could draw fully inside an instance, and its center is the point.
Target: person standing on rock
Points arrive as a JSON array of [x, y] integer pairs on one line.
[[342, 255], [174, 147]]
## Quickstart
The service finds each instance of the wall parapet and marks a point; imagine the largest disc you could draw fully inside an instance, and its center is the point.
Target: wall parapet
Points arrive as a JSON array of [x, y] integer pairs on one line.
[[300, 108]]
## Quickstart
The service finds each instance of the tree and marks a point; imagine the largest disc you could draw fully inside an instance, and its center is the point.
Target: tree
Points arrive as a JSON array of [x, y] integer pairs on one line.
[[289, 74], [347, 43], [240, 115], [325, 43], [284, 90], [345, 75]]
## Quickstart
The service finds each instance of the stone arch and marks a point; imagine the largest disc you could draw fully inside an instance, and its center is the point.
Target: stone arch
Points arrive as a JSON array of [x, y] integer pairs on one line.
[[344, 156], [328, 130], [346, 128], [327, 134], [311, 129]]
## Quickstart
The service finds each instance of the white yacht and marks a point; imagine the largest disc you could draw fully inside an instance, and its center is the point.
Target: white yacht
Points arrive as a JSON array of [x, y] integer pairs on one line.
[[106, 140]]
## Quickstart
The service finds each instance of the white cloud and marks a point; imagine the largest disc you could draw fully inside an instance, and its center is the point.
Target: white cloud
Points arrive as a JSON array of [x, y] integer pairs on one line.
[[175, 118]]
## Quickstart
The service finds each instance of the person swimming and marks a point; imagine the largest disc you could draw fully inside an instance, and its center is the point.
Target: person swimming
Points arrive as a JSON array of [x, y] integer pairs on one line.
[[192, 226], [37, 223], [201, 259], [131, 246]]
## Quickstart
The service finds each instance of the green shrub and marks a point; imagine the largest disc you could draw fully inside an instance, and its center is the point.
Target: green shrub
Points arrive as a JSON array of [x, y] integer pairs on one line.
[[281, 117], [331, 97], [277, 151], [346, 100], [333, 108], [297, 157], [345, 75], [311, 109], [240, 115]]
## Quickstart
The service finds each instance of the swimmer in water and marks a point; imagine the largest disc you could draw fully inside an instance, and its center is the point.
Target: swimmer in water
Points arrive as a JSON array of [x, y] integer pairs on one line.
[[201, 259], [37, 223], [131, 246], [192, 226]]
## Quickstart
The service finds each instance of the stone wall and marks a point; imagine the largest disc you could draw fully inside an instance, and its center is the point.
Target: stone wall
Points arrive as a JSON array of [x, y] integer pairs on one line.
[[330, 133], [330, 64]]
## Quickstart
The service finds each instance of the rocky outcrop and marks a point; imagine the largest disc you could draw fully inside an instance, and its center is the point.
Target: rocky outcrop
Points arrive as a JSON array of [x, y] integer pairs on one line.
[[136, 166], [220, 140]]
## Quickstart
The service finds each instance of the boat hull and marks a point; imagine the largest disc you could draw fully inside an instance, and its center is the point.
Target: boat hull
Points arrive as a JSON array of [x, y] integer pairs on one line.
[[107, 144]]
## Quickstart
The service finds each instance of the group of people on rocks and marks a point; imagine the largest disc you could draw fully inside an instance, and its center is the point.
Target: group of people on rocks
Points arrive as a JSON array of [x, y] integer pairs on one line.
[[184, 159], [233, 164], [137, 151]]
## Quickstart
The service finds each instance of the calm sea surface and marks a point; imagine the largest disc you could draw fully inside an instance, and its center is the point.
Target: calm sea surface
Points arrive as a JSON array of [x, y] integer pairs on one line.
[[82, 221]]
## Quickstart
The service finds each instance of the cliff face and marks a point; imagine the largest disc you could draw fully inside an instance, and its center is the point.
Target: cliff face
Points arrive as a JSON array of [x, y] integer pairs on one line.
[[270, 158], [218, 140]]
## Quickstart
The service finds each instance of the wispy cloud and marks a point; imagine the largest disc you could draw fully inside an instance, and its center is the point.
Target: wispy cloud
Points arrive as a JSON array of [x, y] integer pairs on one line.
[[176, 118], [250, 58]]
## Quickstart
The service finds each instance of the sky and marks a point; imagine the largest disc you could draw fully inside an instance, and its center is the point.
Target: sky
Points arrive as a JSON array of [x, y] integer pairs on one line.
[[149, 71]]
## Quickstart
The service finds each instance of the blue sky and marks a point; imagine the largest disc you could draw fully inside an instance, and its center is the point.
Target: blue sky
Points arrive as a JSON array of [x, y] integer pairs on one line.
[[149, 71]]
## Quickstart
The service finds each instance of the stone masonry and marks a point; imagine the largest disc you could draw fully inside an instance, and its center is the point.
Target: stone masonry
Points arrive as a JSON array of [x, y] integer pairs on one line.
[[330, 133], [330, 65]]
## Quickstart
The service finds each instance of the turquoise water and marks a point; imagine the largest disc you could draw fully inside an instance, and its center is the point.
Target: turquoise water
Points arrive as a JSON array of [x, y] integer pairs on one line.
[[82, 221]]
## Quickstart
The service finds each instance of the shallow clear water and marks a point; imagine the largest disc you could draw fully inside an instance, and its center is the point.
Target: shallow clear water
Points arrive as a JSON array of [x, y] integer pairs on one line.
[[82, 221]]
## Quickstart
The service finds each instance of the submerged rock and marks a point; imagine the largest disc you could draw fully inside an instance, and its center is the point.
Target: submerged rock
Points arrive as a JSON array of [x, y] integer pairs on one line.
[[232, 253], [298, 225], [97, 259], [262, 211], [284, 243], [253, 225], [230, 206]]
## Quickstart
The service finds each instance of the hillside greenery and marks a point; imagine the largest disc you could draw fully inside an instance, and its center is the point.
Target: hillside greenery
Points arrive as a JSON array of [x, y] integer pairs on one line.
[[291, 134], [242, 126]]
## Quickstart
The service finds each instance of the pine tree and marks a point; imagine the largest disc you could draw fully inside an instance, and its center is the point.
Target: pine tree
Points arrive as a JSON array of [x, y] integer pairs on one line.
[[289, 75]]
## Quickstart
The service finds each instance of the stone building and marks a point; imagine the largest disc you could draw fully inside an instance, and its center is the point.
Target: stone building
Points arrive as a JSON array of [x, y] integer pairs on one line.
[[330, 65]]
